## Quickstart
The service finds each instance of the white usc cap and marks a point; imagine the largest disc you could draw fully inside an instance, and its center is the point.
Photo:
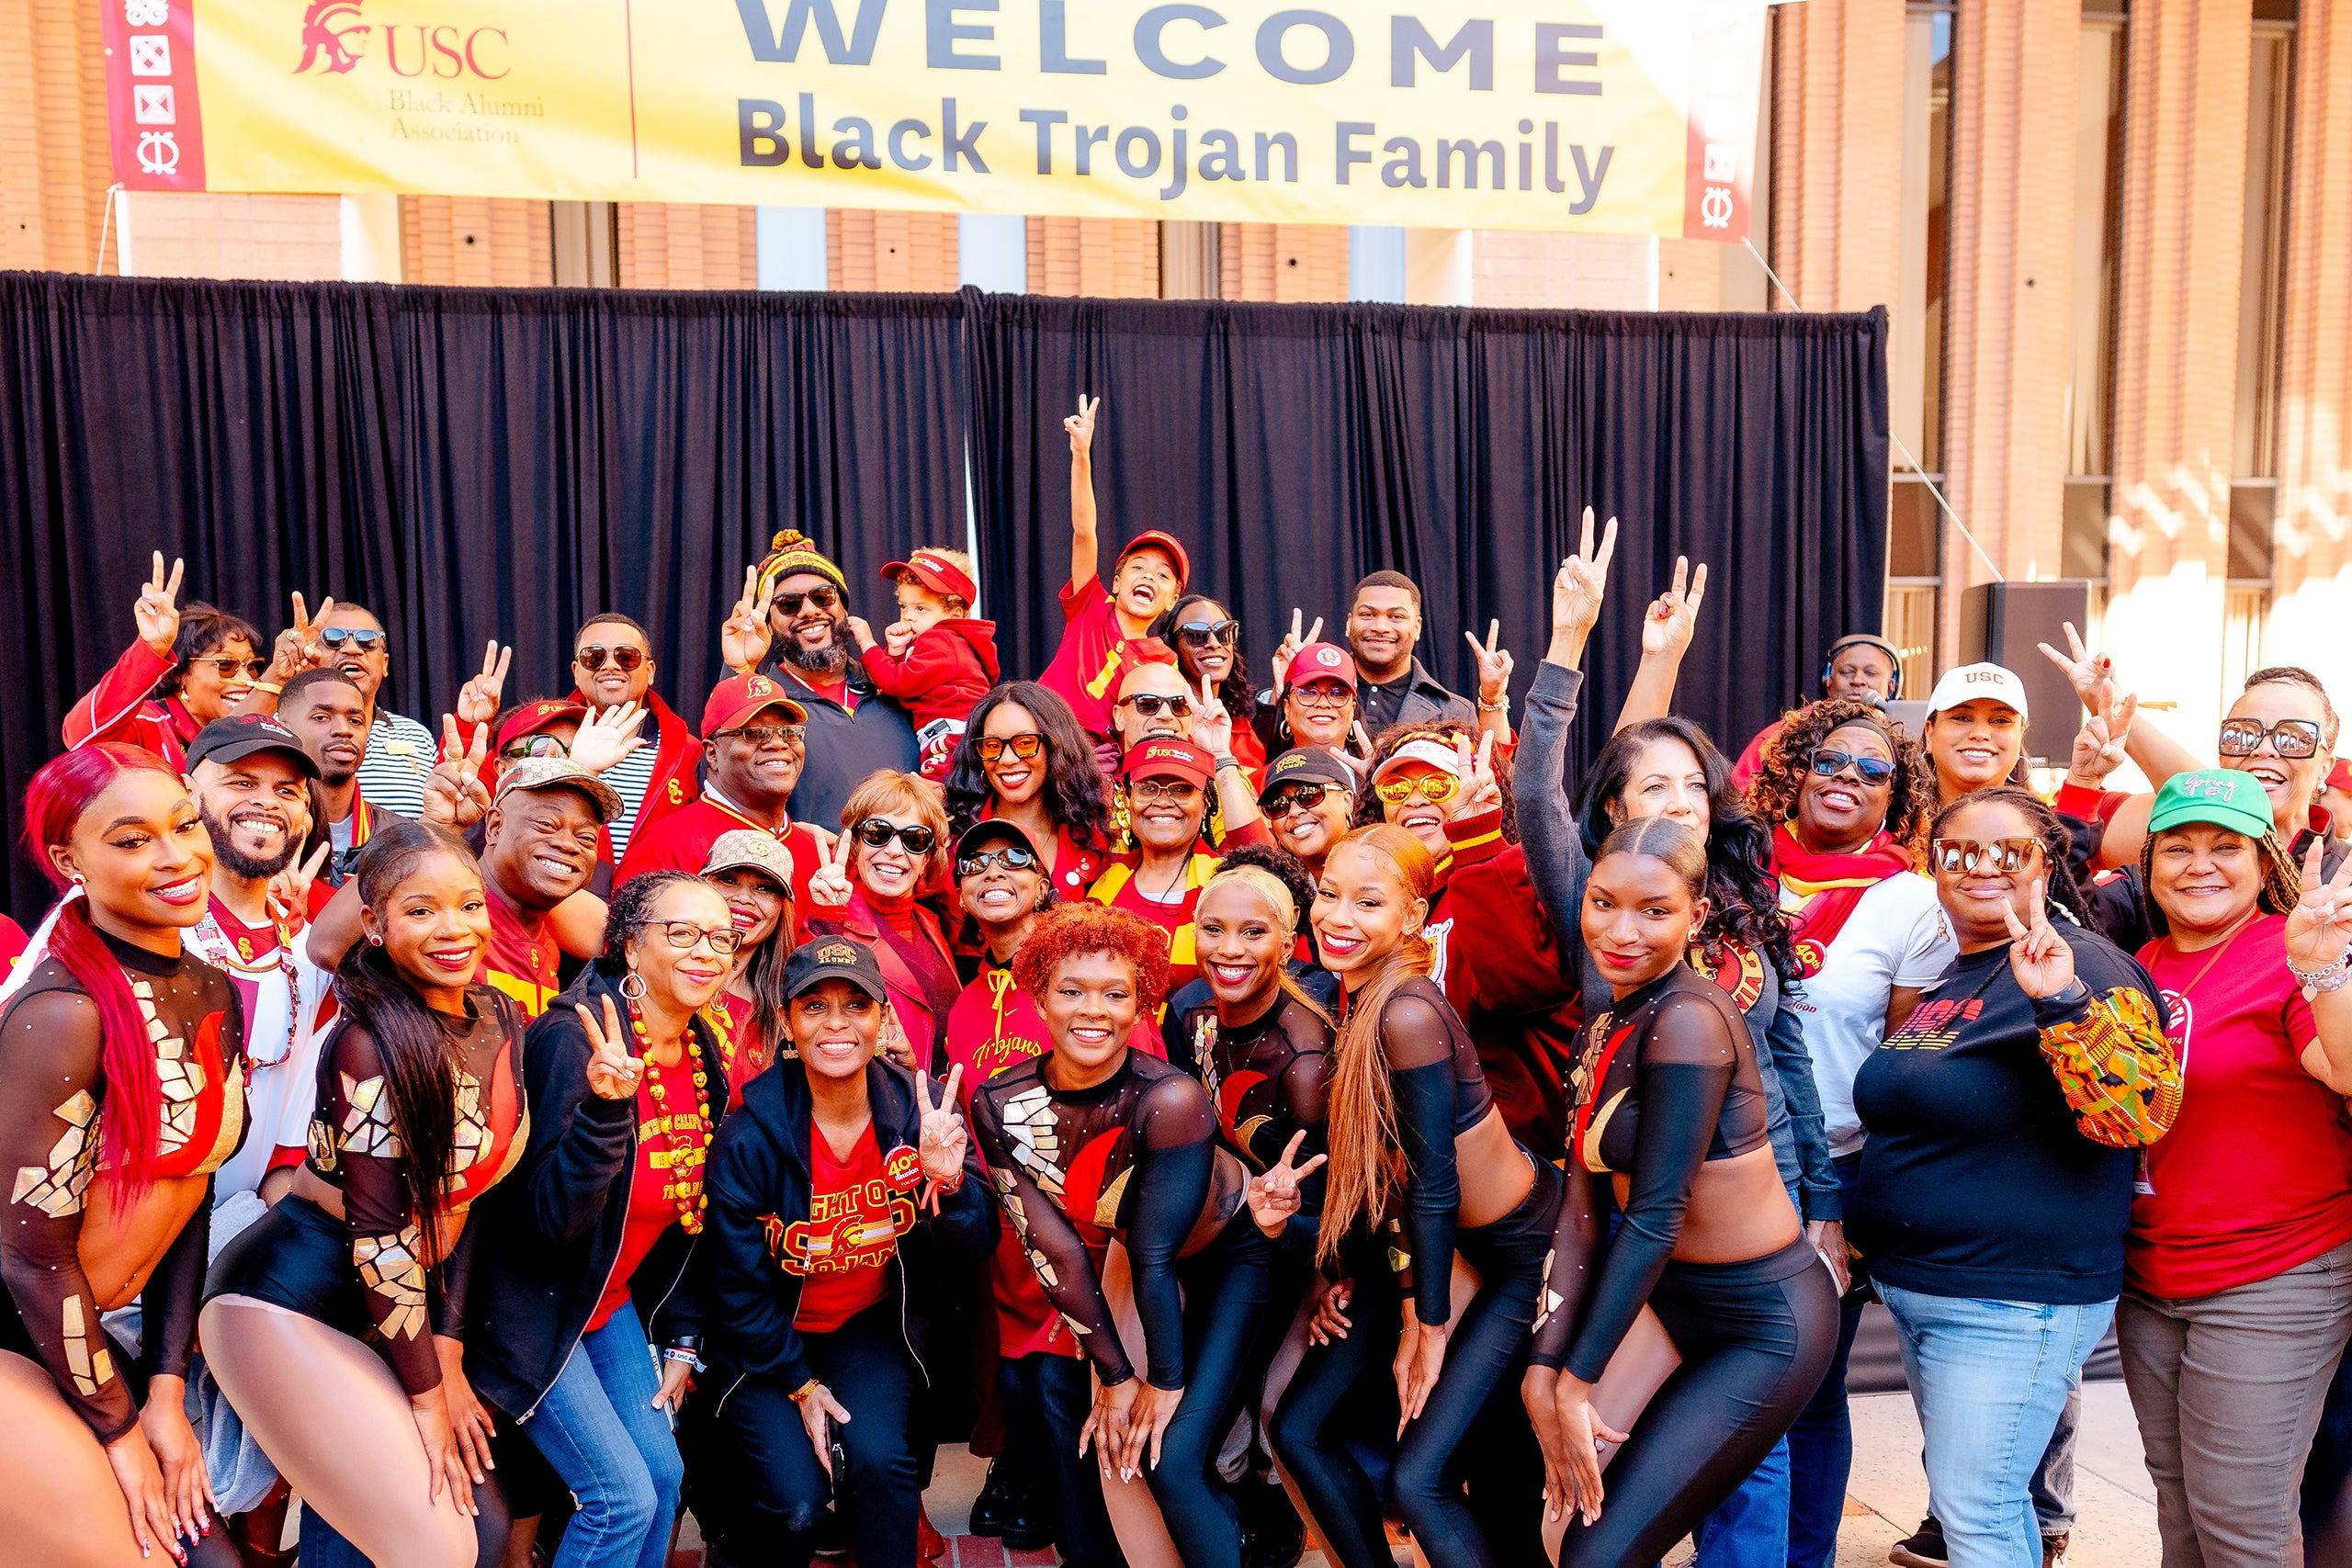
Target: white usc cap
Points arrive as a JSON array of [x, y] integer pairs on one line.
[[1970, 682]]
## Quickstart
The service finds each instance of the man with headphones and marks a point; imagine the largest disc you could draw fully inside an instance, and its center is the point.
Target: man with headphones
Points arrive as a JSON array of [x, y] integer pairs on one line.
[[1859, 665]]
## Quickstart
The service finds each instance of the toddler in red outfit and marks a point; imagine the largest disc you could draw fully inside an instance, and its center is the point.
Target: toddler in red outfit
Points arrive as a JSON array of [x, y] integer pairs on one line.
[[935, 660]]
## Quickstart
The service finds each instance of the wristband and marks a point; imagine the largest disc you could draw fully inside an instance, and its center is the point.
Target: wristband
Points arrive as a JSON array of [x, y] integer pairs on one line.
[[804, 1390], [1502, 707], [679, 1353], [1227, 762], [272, 687]]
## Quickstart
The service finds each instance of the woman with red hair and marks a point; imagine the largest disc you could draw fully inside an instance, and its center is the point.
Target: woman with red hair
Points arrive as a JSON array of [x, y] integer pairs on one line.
[[1095, 1141], [121, 1090]]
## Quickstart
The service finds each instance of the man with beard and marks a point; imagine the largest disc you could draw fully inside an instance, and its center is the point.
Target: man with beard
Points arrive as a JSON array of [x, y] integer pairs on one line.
[[611, 664], [251, 780], [795, 602], [755, 741], [327, 712], [1392, 688]]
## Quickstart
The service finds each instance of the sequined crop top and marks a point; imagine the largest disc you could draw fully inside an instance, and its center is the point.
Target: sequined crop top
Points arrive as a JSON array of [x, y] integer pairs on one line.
[[1267, 1079]]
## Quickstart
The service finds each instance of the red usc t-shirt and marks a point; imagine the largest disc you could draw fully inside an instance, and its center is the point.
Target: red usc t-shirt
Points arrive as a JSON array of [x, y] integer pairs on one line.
[[1094, 655], [2255, 1177], [662, 1177], [522, 957], [855, 1218]]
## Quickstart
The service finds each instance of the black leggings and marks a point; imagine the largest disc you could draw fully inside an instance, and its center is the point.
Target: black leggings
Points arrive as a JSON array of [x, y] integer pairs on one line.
[[1225, 1286], [1047, 1400], [1483, 1355], [1755, 1338]]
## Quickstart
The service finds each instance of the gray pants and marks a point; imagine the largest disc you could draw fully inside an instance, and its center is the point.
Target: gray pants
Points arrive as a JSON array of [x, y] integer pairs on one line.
[[2227, 1390]]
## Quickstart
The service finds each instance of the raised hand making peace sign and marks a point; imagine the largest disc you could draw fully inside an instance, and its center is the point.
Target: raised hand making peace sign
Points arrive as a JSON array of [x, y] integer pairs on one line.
[[2099, 744], [829, 884], [2319, 928], [1080, 425], [455, 796], [298, 647], [743, 638], [158, 610], [2039, 957], [1673, 615], [1289, 648], [1480, 790], [1273, 1197], [1494, 664], [944, 1138], [478, 698], [612, 1071], [1577, 593], [1212, 725]]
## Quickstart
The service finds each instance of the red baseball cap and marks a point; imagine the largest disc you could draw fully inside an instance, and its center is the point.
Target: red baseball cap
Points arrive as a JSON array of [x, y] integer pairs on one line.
[[1166, 757], [2340, 775], [533, 718], [937, 573], [1321, 662], [734, 700], [1154, 539]]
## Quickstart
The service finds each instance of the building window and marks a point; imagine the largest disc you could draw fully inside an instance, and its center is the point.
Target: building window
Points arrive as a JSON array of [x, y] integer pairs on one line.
[[2099, 151], [1916, 344], [2254, 483]]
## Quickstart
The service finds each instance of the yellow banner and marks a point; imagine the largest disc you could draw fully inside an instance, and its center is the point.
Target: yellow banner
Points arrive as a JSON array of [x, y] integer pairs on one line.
[[1608, 116]]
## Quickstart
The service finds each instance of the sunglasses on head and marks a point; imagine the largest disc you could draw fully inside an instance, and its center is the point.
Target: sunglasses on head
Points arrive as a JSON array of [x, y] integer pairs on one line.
[[2002, 855], [529, 746], [1200, 634], [993, 746], [684, 934], [1828, 764], [597, 655], [1281, 802], [1012, 857], [1179, 790], [1151, 705], [821, 598], [1435, 788], [2288, 737], [767, 734], [231, 667], [361, 638], [916, 838]]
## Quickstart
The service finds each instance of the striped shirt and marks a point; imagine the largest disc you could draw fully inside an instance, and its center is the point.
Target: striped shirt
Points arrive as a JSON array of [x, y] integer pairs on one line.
[[629, 777], [401, 751]]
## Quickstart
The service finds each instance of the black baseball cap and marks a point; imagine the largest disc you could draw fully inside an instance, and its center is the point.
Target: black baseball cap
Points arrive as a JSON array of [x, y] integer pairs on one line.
[[233, 739], [990, 827], [834, 958], [1307, 763]]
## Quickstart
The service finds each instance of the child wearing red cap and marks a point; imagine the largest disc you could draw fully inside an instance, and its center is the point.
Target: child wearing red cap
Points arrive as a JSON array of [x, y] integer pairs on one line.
[[936, 660]]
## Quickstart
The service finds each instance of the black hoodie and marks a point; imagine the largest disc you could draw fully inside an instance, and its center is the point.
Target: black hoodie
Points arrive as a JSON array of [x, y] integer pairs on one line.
[[760, 1168], [556, 1225]]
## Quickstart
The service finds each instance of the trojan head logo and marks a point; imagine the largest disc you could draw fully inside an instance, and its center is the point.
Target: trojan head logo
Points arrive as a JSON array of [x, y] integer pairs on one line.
[[838, 953], [333, 35], [759, 686]]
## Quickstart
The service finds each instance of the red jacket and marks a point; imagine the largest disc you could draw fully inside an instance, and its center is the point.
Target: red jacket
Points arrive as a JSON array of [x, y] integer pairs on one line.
[[677, 760], [118, 708], [947, 670], [908, 997]]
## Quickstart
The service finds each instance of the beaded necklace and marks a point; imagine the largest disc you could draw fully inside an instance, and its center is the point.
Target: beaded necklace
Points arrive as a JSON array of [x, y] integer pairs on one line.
[[212, 944], [683, 1148]]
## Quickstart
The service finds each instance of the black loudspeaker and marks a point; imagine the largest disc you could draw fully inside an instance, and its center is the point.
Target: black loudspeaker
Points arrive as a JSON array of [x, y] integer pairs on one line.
[[2000, 623]]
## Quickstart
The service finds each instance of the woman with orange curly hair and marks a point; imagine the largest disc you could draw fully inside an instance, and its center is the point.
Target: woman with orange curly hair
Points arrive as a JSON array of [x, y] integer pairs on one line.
[[1092, 1143], [1422, 1161], [1849, 798]]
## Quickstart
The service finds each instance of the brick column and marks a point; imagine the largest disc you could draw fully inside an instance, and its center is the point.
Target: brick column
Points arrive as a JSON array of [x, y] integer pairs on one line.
[[54, 162], [2175, 352], [2007, 297], [1838, 152], [2311, 567], [684, 245]]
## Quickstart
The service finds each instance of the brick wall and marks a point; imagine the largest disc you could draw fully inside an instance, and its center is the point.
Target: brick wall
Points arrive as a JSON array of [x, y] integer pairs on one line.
[[476, 242], [1837, 152], [682, 245], [1107, 257], [291, 238], [54, 162], [1511, 270], [1288, 263], [867, 249]]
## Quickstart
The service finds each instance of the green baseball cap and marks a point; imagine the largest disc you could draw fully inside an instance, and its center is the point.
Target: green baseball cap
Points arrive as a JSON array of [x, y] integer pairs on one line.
[[2223, 796]]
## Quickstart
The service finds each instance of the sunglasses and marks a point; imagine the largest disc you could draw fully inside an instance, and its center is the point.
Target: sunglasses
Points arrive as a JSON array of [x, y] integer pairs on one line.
[[685, 934], [361, 638], [1012, 857], [595, 656], [769, 734], [1175, 790], [2288, 737], [531, 746], [1200, 634], [1828, 764], [1279, 803], [821, 598], [1152, 706], [231, 667], [917, 840], [1435, 788], [993, 746], [1323, 694], [2002, 855]]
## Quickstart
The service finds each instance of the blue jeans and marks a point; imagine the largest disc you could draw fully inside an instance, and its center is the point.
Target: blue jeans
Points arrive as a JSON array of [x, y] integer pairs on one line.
[[1751, 1529], [1821, 1444], [1990, 1379], [598, 1428]]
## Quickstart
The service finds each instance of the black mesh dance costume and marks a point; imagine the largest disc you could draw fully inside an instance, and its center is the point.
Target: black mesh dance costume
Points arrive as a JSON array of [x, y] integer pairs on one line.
[[1667, 1079], [1135, 1158], [1440, 1094], [1267, 1079]]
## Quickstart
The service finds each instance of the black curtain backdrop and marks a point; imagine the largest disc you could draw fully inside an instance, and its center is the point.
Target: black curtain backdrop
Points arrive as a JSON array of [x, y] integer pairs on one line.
[[476, 463]]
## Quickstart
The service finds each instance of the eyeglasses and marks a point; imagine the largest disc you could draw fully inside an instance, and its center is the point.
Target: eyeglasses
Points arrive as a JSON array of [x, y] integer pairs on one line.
[[1828, 764], [768, 734], [1200, 634], [1435, 788], [597, 655], [1151, 705], [821, 598], [1281, 802], [528, 746], [361, 638], [993, 746], [2288, 737], [1176, 791], [1012, 857], [231, 667], [1323, 694], [874, 832], [2003, 855], [685, 934]]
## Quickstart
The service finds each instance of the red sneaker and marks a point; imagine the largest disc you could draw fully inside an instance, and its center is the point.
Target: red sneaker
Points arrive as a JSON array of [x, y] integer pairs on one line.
[[930, 1545]]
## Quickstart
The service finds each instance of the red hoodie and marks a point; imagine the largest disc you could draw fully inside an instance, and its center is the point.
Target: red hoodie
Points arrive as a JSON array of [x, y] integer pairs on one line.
[[945, 671]]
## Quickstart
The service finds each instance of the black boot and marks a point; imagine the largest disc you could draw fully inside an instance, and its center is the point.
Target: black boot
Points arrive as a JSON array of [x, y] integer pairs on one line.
[[992, 1507], [1273, 1535]]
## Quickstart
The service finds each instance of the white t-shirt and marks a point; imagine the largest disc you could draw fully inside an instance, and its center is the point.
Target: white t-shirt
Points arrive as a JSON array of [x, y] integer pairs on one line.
[[1896, 936]]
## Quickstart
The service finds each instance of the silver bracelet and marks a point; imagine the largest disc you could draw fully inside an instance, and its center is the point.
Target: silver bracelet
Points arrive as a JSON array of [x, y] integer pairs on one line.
[[2334, 977], [1503, 706]]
